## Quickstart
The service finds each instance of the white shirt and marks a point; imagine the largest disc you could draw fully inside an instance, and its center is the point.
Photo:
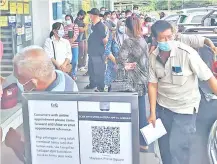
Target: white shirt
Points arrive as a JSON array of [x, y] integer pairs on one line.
[[62, 49]]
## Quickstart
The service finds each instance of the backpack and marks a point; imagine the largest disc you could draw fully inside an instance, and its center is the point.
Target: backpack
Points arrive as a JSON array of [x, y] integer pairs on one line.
[[10, 96]]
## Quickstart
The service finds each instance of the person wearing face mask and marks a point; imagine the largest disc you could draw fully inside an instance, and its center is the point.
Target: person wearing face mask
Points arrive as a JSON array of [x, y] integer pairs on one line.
[[58, 48], [35, 72], [114, 18], [111, 52], [133, 65], [128, 13], [174, 93], [194, 41], [82, 57], [108, 22], [71, 34], [136, 10]]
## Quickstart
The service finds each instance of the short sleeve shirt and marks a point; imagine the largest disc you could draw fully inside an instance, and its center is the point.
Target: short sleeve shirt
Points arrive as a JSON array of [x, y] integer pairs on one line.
[[96, 46], [80, 23], [178, 88]]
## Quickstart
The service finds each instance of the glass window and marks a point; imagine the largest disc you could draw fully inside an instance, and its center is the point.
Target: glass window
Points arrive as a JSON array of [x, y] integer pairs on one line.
[[197, 19]]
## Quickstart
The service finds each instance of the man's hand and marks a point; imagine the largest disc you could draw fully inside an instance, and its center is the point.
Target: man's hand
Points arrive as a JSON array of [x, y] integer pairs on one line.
[[152, 119]]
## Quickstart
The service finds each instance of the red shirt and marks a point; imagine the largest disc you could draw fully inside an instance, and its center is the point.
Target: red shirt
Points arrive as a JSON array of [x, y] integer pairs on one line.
[[73, 27]]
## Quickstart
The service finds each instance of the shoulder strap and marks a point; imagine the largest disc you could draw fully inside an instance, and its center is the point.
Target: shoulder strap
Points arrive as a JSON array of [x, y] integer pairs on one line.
[[54, 50]]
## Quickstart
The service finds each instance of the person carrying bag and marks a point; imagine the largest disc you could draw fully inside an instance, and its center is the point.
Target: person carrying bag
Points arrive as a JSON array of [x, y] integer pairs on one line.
[[59, 49]]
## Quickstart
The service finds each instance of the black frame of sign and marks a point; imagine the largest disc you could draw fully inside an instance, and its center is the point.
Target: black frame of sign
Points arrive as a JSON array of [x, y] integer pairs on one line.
[[131, 98]]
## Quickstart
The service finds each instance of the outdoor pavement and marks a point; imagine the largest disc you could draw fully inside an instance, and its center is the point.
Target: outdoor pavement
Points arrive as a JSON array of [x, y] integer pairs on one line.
[[8, 156]]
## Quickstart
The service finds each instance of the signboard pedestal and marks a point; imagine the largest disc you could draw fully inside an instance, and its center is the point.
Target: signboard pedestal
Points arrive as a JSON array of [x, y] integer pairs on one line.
[[81, 128]]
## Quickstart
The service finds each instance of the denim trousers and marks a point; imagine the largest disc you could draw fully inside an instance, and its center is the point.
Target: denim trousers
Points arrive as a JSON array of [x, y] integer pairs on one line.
[[142, 118], [176, 144], [75, 52]]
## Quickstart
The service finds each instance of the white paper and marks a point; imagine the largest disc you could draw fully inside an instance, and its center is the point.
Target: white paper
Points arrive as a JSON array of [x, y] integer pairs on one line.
[[28, 34], [151, 134], [54, 132], [105, 141], [12, 19]]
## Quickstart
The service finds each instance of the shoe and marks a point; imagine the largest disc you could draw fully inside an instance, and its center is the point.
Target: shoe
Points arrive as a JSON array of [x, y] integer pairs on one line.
[[86, 74], [82, 69], [74, 78], [89, 87]]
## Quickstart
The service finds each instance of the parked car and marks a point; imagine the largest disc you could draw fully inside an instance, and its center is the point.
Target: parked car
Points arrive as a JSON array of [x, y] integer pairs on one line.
[[206, 137], [194, 10], [209, 20], [171, 18]]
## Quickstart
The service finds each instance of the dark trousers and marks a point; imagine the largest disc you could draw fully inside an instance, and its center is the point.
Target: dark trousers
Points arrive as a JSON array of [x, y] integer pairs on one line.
[[175, 146], [142, 118], [82, 57], [96, 71]]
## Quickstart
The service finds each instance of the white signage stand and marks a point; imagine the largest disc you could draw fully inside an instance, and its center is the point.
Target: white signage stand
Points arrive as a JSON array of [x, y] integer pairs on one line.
[[81, 128]]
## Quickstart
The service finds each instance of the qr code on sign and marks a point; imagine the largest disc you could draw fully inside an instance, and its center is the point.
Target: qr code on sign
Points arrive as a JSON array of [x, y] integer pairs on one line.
[[105, 139]]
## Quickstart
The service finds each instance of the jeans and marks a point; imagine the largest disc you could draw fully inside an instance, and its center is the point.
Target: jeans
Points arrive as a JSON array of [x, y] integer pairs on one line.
[[142, 118], [176, 144], [74, 62]]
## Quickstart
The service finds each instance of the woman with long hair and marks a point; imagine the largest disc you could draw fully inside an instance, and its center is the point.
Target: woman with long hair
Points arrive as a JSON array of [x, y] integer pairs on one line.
[[133, 57], [58, 48], [111, 52]]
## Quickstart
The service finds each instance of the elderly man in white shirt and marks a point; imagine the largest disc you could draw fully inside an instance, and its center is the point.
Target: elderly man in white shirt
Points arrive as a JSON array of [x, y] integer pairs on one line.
[[58, 48]]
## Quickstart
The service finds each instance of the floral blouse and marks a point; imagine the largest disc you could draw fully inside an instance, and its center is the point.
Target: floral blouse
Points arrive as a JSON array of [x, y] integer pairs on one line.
[[136, 50]]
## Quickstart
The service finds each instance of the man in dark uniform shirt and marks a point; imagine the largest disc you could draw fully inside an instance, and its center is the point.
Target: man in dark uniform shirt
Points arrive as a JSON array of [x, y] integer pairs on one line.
[[96, 48]]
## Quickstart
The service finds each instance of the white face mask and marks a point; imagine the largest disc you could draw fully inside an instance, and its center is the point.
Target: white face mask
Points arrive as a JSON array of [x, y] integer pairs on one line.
[[61, 33], [21, 86], [68, 22]]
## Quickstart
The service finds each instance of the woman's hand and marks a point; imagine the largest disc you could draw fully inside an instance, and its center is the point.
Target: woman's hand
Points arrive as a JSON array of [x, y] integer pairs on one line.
[[63, 68], [130, 66]]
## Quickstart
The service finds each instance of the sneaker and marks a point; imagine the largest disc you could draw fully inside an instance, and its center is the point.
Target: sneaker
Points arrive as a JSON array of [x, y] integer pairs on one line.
[[86, 74], [89, 87], [82, 69], [106, 89], [74, 78]]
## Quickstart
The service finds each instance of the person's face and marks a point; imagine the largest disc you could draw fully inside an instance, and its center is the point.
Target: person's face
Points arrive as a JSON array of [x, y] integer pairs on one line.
[[91, 17], [129, 14], [165, 36], [114, 16], [26, 82], [59, 32], [81, 17], [68, 20], [102, 9]]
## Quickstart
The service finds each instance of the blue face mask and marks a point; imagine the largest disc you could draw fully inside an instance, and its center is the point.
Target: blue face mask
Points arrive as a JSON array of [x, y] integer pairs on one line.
[[122, 29], [164, 46]]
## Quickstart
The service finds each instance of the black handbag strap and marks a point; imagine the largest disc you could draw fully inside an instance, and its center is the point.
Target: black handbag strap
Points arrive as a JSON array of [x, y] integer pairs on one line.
[[54, 51]]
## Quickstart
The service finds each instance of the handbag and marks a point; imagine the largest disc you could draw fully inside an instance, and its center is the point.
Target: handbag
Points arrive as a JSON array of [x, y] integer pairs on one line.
[[68, 66], [123, 83]]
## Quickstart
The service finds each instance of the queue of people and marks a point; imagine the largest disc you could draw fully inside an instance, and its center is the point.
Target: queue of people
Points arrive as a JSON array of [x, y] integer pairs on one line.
[[119, 59]]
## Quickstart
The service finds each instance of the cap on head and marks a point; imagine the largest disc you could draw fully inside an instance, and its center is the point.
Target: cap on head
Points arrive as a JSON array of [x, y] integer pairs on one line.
[[94, 11]]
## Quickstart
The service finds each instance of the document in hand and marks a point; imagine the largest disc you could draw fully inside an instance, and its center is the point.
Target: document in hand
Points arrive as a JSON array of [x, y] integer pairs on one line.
[[151, 134]]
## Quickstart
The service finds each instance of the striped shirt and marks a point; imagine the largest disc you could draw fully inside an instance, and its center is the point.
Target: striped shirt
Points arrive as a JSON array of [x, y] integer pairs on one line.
[[73, 27]]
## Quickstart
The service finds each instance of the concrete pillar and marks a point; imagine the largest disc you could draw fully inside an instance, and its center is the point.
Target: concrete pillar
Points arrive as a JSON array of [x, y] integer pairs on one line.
[[42, 20]]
